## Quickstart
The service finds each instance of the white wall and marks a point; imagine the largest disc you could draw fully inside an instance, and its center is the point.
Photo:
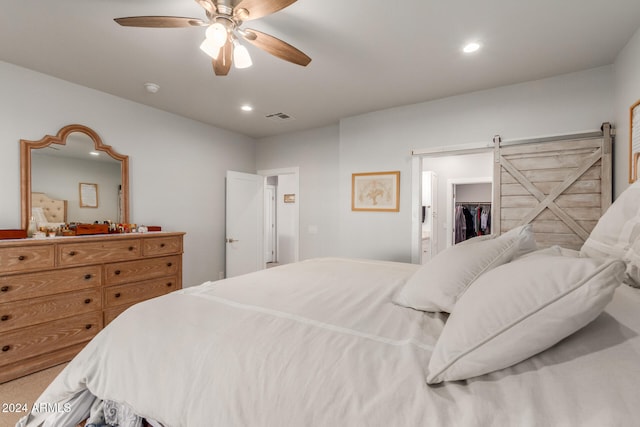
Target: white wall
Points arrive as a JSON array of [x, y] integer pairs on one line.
[[383, 140], [315, 152], [177, 165], [627, 92], [285, 216], [474, 193]]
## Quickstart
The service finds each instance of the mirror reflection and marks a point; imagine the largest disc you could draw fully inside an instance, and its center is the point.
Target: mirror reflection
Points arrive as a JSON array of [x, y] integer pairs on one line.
[[72, 177], [59, 171]]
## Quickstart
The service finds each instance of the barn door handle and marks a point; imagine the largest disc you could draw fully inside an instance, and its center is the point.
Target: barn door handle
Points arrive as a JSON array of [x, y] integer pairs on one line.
[[231, 240]]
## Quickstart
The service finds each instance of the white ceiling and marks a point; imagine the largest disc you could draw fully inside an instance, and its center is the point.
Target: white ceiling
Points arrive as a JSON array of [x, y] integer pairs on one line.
[[367, 54]]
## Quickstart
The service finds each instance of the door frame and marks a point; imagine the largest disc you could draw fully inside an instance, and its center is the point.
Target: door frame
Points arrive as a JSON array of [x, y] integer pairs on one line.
[[270, 227], [295, 171], [417, 155], [451, 184]]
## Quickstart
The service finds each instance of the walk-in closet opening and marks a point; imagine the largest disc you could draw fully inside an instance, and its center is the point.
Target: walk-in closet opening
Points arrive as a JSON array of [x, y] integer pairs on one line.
[[448, 179]]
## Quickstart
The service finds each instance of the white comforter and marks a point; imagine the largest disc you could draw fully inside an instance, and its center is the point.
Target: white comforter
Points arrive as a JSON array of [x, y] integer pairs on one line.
[[319, 343]]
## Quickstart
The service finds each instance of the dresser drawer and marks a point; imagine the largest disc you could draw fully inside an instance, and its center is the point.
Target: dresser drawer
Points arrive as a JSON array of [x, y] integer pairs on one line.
[[98, 252], [140, 291], [23, 313], [132, 271], [23, 258], [24, 343], [33, 285], [112, 313], [155, 246]]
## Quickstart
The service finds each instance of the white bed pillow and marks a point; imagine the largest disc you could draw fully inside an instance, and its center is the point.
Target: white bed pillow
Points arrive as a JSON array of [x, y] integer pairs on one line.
[[438, 284], [632, 258], [617, 230], [556, 251], [39, 216], [520, 309]]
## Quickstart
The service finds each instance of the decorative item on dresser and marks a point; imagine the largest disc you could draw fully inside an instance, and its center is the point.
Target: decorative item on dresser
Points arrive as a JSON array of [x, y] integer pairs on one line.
[[57, 293]]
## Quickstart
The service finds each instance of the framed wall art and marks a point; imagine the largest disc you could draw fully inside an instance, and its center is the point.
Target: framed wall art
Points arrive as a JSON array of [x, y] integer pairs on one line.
[[375, 191], [88, 195]]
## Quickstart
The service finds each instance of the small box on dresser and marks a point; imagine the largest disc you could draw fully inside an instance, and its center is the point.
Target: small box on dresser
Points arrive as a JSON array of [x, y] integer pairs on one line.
[[57, 293]]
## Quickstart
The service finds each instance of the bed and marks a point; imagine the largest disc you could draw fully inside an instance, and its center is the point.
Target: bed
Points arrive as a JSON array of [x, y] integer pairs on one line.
[[48, 212], [519, 336]]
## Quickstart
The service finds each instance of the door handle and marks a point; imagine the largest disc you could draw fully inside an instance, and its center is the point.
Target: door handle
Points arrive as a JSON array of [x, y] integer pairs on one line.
[[231, 240]]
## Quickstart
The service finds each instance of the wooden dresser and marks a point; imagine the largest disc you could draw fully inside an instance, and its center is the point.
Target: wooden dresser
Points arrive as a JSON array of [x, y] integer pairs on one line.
[[57, 293]]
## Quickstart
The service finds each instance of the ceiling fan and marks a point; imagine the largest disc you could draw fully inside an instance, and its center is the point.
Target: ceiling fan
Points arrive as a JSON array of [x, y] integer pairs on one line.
[[224, 18]]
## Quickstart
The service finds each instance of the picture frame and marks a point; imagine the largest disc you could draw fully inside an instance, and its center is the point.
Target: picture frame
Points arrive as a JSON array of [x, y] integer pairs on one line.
[[634, 141], [88, 195], [375, 191]]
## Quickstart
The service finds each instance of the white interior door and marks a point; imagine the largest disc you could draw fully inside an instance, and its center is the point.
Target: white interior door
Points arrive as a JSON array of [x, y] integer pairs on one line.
[[270, 235], [244, 223]]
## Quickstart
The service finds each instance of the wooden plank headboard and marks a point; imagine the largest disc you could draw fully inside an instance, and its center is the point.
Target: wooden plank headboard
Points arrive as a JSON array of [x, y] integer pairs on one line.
[[54, 210], [562, 187]]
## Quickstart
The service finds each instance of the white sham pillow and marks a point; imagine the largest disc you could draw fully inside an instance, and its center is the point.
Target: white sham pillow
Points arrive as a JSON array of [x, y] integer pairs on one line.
[[520, 309], [616, 231], [438, 284]]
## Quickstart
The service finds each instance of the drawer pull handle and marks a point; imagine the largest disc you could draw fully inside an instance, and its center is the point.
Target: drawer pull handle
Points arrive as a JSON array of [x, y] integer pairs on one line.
[[169, 284], [87, 301], [4, 318], [131, 248], [6, 348], [72, 253], [87, 276], [169, 264], [117, 272], [162, 245], [22, 258], [87, 326], [117, 295], [4, 289]]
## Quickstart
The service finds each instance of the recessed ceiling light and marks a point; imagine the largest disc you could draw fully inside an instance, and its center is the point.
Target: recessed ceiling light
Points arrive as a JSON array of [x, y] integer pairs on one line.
[[246, 108], [151, 87], [471, 47], [94, 153]]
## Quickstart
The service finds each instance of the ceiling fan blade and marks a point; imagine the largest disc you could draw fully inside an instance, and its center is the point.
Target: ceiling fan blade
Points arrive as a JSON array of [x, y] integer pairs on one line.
[[259, 8], [160, 22], [222, 63], [276, 47]]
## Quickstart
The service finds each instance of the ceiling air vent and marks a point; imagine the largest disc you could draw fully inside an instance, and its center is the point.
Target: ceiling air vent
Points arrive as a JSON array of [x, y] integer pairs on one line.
[[279, 117]]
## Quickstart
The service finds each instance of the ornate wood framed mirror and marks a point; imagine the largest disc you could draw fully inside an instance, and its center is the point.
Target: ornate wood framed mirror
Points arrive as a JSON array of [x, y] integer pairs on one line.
[[634, 141], [55, 165]]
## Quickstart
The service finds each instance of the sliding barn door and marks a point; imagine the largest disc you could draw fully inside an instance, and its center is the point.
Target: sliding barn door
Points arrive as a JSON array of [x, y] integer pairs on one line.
[[562, 187]]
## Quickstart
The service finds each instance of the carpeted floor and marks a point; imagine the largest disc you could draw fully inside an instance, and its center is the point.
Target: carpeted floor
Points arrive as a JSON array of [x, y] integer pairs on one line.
[[23, 391]]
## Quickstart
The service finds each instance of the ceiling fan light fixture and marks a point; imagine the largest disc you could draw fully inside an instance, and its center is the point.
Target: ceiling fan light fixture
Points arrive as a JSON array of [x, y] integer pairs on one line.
[[217, 34], [471, 47], [210, 49], [241, 58]]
